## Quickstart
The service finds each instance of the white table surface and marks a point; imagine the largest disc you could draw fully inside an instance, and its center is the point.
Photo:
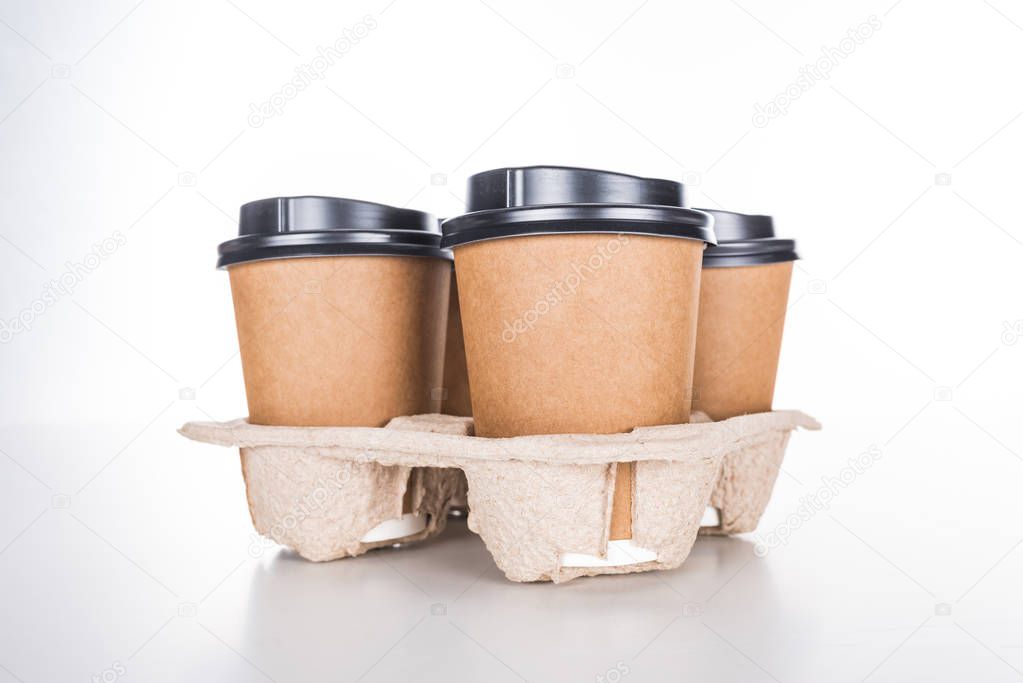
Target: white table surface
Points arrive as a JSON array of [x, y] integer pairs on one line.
[[152, 573]]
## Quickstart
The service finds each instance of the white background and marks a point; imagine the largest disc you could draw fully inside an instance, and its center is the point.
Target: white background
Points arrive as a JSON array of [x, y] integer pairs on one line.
[[124, 548]]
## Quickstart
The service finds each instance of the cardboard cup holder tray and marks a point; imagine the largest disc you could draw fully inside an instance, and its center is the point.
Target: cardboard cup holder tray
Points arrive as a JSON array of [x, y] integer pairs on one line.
[[541, 504]]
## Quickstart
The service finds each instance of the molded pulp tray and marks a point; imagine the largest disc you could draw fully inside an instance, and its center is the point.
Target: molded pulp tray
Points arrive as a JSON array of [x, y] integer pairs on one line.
[[534, 500]]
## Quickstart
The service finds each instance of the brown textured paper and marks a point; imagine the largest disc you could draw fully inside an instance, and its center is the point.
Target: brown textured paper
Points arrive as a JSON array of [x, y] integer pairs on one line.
[[580, 333], [738, 338], [456, 374], [533, 498], [341, 341], [456, 384], [347, 340], [738, 342]]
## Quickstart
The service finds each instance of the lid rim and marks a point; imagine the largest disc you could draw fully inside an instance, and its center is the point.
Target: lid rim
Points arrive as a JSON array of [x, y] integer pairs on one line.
[[750, 252], [749, 260], [643, 219], [273, 252]]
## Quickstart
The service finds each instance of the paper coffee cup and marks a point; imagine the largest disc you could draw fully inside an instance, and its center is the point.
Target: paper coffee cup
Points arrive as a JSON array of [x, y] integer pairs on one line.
[[456, 389], [456, 373], [341, 308], [347, 341], [578, 292], [743, 299]]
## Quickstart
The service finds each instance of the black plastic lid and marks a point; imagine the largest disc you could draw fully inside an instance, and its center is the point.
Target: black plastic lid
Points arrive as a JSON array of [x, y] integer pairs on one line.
[[746, 240], [296, 227], [730, 226], [510, 202], [503, 188]]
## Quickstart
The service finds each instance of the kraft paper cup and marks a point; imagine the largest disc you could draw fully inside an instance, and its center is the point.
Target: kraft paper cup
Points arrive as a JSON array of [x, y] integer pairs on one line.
[[344, 341], [341, 316], [743, 299], [744, 293], [456, 374], [742, 315], [456, 389], [614, 353], [578, 292]]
